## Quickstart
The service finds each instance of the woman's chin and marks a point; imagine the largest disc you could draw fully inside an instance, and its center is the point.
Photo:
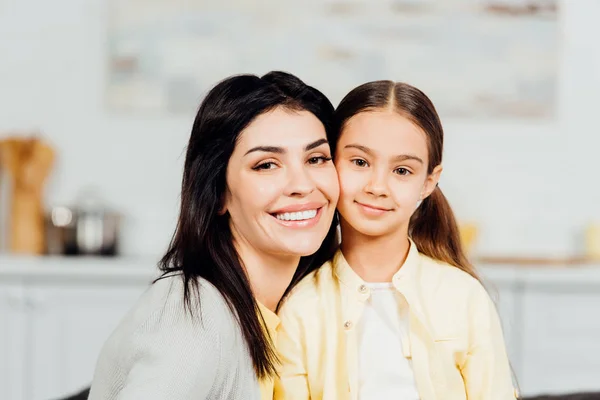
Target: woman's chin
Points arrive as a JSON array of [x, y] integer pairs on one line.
[[302, 250]]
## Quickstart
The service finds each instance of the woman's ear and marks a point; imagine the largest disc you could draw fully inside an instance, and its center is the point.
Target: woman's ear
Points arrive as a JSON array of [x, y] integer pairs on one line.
[[224, 202]]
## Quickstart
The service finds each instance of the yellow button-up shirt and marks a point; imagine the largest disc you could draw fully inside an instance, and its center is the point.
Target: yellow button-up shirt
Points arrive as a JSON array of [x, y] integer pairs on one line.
[[454, 342], [272, 323]]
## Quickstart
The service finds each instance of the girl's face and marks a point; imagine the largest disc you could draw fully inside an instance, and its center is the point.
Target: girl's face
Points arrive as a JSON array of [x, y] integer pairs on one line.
[[382, 160]]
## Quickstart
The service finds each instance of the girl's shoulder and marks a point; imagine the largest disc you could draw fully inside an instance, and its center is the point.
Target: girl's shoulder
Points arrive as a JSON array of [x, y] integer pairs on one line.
[[433, 269], [312, 289], [448, 281]]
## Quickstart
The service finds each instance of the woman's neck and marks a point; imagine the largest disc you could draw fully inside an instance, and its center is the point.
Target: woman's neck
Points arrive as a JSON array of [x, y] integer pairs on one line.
[[374, 259], [269, 275]]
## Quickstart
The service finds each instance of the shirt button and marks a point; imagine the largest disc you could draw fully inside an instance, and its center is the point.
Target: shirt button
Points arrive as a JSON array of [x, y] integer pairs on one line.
[[348, 325], [362, 288]]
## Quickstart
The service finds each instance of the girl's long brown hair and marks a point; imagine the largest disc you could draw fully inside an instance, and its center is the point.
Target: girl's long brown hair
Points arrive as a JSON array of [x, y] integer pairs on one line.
[[433, 226]]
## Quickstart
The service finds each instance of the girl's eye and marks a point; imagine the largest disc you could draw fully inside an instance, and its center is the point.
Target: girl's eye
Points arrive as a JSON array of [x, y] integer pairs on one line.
[[402, 171], [360, 162]]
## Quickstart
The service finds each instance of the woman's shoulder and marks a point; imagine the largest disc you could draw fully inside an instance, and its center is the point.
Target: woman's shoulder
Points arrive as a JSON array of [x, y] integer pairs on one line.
[[160, 322], [167, 296], [163, 310], [161, 331]]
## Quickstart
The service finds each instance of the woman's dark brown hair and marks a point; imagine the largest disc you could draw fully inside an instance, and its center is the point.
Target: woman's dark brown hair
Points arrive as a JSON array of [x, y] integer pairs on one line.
[[433, 226], [202, 245]]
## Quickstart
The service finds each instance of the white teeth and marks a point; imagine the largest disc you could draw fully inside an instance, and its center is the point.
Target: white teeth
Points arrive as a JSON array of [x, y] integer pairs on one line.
[[297, 216]]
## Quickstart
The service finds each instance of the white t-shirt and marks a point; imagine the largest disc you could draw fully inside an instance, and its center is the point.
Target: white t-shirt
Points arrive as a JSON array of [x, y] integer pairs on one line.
[[383, 370]]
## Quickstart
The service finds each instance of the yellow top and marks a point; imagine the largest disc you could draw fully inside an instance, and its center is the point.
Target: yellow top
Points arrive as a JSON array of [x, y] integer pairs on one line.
[[454, 341], [272, 323]]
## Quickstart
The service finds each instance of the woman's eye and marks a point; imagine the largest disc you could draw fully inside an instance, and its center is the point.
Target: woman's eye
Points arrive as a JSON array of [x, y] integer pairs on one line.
[[402, 171], [359, 163], [265, 166], [318, 160]]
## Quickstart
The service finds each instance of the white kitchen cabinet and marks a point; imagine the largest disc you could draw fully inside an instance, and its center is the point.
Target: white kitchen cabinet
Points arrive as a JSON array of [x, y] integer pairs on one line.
[[70, 323], [561, 338], [551, 321], [508, 309], [56, 313], [13, 325], [502, 286]]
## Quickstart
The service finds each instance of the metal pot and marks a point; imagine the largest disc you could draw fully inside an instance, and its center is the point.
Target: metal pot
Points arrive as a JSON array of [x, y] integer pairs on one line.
[[88, 229]]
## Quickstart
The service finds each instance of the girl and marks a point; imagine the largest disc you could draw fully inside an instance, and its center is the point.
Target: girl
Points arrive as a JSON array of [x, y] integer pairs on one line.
[[398, 313], [258, 197]]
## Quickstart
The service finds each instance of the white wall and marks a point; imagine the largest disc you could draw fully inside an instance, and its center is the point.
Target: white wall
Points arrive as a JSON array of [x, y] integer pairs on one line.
[[532, 187]]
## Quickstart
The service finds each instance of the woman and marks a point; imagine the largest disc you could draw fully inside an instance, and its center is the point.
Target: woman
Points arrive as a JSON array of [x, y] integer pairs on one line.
[[258, 198]]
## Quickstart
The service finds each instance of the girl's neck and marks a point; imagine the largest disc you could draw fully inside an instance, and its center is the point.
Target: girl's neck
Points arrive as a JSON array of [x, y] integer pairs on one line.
[[374, 259]]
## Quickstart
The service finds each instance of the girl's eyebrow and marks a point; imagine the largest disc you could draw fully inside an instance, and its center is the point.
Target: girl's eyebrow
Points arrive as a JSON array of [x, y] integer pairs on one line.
[[402, 157]]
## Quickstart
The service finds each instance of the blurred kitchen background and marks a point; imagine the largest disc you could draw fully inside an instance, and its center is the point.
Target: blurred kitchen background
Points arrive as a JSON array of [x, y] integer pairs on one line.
[[97, 99]]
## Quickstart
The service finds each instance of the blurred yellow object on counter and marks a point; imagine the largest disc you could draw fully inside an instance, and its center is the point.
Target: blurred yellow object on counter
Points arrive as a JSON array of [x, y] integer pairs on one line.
[[592, 241], [28, 161], [468, 236]]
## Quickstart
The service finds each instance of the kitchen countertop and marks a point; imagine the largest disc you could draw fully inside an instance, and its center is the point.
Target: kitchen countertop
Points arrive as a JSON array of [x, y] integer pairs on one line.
[[132, 267], [76, 267]]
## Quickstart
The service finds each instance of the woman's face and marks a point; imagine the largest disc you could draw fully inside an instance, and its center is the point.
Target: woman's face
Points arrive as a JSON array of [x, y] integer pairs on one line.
[[282, 187]]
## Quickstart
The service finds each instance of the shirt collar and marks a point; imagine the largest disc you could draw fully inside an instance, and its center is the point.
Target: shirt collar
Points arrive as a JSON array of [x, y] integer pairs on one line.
[[271, 319], [404, 275]]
